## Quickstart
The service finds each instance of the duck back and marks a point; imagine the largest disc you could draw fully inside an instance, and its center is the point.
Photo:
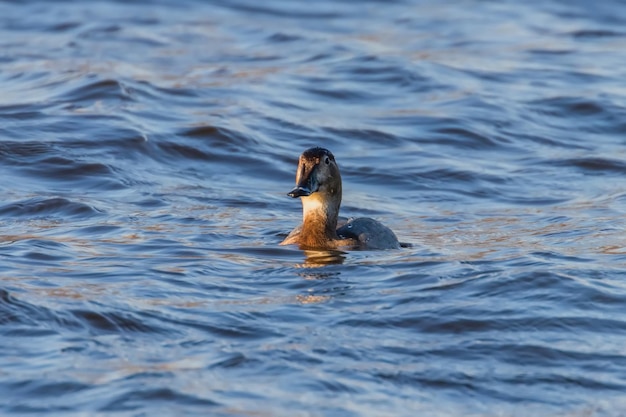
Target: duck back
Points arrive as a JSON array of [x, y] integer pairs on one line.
[[369, 233]]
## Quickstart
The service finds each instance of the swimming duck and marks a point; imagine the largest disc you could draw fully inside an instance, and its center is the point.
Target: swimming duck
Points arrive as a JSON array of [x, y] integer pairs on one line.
[[318, 184]]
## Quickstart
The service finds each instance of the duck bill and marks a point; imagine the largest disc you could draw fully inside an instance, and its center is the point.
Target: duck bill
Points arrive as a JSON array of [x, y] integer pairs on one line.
[[299, 192], [305, 183]]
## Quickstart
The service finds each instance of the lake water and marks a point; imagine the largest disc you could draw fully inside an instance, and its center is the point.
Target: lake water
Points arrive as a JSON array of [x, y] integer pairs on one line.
[[146, 149]]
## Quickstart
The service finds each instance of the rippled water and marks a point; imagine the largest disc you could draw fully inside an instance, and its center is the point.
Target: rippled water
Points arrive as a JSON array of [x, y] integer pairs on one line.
[[146, 149]]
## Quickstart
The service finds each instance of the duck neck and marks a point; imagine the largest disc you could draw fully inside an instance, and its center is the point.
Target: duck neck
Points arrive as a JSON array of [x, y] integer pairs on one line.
[[319, 219]]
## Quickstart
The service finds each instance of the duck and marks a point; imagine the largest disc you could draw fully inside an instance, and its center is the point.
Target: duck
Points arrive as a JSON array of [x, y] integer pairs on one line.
[[318, 185]]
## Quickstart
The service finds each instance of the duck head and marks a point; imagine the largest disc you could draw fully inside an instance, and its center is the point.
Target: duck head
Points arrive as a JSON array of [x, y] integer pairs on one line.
[[317, 173]]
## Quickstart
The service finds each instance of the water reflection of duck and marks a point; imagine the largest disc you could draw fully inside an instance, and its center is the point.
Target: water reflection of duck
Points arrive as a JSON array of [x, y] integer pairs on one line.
[[318, 183]]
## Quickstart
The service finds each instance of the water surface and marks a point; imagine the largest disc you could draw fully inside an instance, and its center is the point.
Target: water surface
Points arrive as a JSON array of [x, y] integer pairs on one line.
[[146, 149]]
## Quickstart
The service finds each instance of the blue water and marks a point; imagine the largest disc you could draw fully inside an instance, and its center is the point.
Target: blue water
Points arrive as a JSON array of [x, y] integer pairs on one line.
[[146, 149]]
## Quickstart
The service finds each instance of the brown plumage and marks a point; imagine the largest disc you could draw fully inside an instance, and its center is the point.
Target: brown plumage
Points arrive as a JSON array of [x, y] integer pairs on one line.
[[318, 184]]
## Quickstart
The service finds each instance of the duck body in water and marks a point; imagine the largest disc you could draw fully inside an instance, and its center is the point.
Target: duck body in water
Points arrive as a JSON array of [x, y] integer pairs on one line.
[[318, 185]]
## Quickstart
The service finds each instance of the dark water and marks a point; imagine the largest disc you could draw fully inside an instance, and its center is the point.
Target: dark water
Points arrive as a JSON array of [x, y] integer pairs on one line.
[[145, 152]]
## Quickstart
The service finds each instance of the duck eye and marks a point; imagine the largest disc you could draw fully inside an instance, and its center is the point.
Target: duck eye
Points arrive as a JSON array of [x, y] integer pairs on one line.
[[326, 160]]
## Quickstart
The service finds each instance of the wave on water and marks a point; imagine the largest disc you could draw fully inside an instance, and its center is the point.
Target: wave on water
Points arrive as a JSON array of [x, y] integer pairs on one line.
[[47, 208]]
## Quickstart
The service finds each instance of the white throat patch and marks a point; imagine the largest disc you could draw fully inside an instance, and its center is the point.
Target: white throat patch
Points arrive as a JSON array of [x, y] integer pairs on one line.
[[313, 203]]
